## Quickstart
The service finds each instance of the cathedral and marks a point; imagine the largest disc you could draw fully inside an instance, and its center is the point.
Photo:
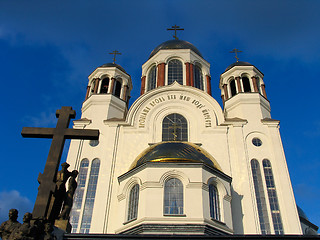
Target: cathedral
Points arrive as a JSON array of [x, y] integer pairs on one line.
[[176, 162]]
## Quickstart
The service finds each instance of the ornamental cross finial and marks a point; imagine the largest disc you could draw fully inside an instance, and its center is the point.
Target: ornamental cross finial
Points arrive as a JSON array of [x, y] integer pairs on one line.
[[236, 51], [174, 126], [115, 53], [175, 28]]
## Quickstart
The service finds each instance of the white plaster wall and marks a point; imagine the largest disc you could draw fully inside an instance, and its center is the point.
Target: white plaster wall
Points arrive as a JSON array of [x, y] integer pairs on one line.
[[249, 106], [152, 194], [99, 107]]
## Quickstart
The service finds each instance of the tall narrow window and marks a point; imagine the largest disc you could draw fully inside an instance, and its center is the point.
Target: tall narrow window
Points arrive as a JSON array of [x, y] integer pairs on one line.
[[260, 198], [175, 71], [90, 196], [152, 78], [82, 177], [214, 202], [104, 85], [133, 203], [174, 128], [117, 88], [233, 87], [273, 198], [198, 80], [173, 197], [246, 84]]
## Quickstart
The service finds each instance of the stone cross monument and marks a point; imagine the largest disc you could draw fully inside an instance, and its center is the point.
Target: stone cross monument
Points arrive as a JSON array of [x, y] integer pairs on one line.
[[43, 209]]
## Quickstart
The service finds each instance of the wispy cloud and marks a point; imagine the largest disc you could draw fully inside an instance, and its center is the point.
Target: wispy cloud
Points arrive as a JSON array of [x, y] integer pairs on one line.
[[13, 199], [44, 119]]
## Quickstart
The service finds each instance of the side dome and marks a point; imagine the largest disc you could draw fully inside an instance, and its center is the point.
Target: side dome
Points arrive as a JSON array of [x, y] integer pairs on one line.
[[238, 64], [175, 152], [114, 65], [175, 44]]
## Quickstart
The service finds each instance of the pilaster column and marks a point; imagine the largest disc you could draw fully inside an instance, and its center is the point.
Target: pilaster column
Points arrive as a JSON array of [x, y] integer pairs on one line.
[[254, 81], [143, 85], [263, 88], [191, 75], [238, 84], [110, 89], [225, 89], [223, 100], [96, 85], [161, 74], [124, 92], [208, 84], [88, 91], [188, 83], [121, 91]]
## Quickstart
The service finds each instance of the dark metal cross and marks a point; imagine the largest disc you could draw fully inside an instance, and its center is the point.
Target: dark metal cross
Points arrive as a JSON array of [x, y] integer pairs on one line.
[[115, 53], [47, 179], [236, 51], [175, 28]]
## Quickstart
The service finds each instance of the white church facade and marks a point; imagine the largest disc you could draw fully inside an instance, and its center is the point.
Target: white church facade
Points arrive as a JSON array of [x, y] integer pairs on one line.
[[176, 162]]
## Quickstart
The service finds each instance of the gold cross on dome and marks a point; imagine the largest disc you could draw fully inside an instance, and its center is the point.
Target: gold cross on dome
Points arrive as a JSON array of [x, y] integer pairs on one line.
[[175, 28], [174, 126], [236, 51], [115, 53]]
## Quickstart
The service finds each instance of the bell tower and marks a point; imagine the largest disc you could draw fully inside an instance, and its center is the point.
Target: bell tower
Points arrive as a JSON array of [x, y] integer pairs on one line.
[[243, 92], [108, 93]]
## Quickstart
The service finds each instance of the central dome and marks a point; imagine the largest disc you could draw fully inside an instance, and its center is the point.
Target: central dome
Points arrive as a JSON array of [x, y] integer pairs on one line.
[[176, 152], [175, 44]]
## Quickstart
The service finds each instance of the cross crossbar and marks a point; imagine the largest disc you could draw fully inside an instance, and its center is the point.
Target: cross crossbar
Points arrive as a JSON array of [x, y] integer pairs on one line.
[[33, 132], [175, 28], [236, 51], [115, 53]]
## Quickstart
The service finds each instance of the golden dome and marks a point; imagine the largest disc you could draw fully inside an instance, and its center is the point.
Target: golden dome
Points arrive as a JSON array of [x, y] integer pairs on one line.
[[175, 152]]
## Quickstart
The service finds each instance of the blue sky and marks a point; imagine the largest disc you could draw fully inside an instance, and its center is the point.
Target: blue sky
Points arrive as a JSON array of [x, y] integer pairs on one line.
[[48, 48]]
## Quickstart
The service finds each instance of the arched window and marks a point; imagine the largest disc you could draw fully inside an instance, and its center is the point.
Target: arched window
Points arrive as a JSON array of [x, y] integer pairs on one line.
[[198, 79], [133, 203], [174, 128], [104, 85], [90, 196], [175, 71], [117, 88], [233, 87], [173, 197], [246, 84], [260, 198], [214, 202], [273, 198], [152, 78], [77, 202]]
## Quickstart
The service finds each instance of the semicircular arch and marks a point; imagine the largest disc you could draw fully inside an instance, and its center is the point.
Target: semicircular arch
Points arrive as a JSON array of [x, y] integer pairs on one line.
[[198, 99]]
